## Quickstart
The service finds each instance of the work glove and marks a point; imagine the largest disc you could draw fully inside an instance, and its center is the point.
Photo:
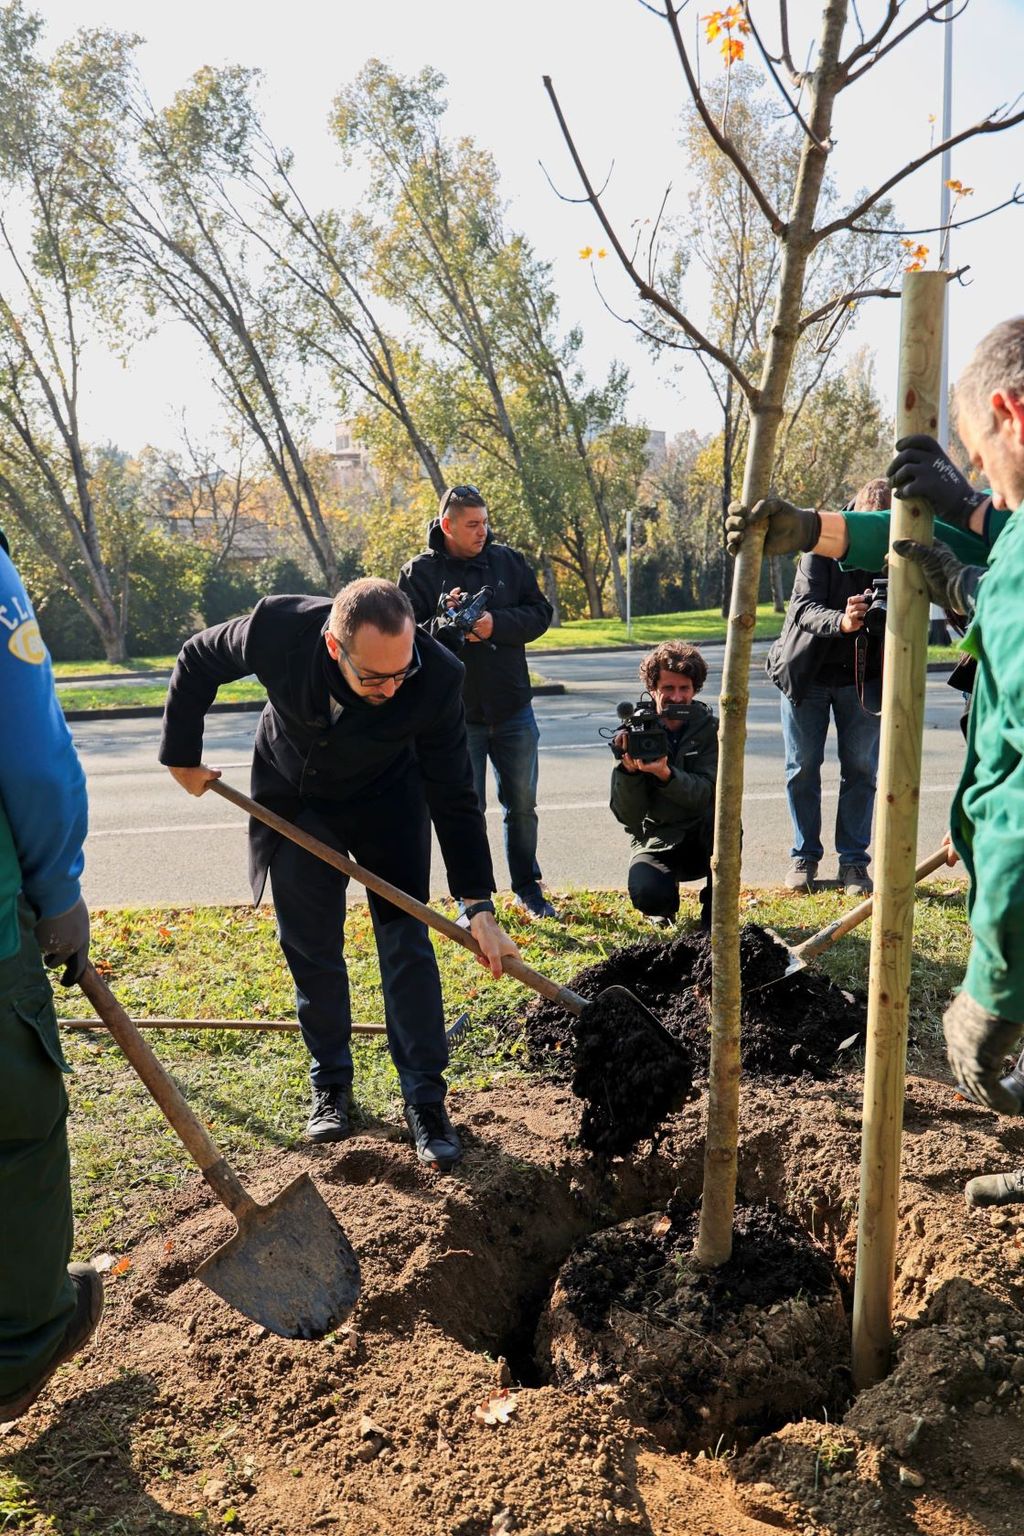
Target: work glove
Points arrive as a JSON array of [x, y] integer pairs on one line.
[[950, 583], [64, 940], [977, 1043], [922, 469], [791, 530]]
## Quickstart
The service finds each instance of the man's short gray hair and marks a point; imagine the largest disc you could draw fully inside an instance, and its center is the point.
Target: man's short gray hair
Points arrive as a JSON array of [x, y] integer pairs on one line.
[[370, 600], [997, 363]]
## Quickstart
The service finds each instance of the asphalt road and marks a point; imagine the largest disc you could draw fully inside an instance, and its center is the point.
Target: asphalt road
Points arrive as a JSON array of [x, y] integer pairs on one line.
[[151, 844]]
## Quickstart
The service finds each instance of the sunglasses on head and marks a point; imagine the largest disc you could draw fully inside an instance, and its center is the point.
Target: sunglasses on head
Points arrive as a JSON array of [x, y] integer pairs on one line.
[[459, 494]]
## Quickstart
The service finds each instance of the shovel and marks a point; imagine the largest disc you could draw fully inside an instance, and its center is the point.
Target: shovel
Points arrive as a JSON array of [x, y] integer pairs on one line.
[[818, 942], [618, 1001], [289, 1266]]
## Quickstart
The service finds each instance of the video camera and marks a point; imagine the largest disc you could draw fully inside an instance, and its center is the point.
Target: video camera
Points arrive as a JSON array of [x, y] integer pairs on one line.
[[456, 616], [646, 737]]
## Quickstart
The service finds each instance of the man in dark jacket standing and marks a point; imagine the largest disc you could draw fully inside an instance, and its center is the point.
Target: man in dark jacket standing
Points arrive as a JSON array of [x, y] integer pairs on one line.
[[668, 805], [814, 664], [462, 558], [362, 742]]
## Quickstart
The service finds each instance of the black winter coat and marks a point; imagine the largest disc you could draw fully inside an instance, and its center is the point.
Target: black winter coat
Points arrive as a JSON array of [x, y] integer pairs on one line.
[[812, 641], [414, 744], [497, 681]]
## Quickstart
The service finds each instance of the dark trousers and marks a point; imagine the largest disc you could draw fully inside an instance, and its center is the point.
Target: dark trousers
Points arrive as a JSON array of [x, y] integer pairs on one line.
[[512, 749], [653, 881], [390, 836], [37, 1298]]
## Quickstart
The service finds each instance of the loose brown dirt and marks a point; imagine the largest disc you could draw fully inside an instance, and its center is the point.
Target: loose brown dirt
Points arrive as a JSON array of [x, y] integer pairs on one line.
[[185, 1418]]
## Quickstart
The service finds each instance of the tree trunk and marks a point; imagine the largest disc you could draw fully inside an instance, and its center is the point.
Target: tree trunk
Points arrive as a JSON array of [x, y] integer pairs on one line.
[[592, 585], [549, 582], [778, 591], [714, 1243]]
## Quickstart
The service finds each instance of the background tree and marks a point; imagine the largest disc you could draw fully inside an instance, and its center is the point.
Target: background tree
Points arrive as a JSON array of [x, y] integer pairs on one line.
[[800, 226]]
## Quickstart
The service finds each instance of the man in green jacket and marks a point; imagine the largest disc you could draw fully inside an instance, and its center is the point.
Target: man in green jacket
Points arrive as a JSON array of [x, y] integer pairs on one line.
[[48, 1309], [986, 1018], [666, 800]]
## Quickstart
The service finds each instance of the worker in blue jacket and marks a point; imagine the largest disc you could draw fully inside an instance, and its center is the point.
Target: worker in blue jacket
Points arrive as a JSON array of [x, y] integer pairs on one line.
[[48, 1309]]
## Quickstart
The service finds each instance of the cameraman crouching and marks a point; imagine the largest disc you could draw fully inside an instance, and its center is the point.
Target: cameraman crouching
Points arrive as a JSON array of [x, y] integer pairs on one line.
[[667, 801]]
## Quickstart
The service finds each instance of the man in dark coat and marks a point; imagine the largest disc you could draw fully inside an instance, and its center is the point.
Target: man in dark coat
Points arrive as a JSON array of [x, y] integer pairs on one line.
[[463, 557], [363, 743]]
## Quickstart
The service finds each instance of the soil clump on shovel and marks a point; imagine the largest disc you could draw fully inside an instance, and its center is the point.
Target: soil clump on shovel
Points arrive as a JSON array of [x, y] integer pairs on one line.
[[629, 1079], [790, 1024]]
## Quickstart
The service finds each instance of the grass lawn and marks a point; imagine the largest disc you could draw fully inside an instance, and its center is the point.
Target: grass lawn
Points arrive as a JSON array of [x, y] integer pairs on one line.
[[115, 696], [224, 962], [103, 668], [700, 625]]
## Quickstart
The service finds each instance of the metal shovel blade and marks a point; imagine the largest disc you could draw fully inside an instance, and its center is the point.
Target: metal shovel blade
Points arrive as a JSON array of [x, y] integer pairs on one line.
[[289, 1266]]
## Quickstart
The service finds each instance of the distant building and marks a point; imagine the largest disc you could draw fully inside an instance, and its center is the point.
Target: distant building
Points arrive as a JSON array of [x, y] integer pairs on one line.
[[350, 462], [655, 450]]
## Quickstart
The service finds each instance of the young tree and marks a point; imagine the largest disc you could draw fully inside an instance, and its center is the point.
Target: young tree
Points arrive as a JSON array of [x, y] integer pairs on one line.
[[842, 56]]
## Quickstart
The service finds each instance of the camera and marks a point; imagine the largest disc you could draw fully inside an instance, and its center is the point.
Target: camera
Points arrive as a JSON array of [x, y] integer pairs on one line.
[[646, 737], [457, 615], [874, 618]]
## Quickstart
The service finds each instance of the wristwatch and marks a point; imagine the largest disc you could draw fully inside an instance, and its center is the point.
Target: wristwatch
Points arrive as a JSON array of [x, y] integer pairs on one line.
[[477, 908]]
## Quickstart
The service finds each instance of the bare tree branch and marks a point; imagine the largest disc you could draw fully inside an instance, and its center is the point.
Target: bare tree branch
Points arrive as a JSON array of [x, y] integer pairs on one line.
[[645, 289], [876, 52], [853, 297], [770, 65], [1016, 200], [993, 124], [720, 139]]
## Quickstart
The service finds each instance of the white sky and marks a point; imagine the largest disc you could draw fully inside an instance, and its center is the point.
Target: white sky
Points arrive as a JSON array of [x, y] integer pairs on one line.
[[621, 88]]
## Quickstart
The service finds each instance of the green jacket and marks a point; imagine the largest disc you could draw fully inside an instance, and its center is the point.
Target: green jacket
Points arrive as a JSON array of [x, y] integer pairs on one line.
[[660, 816], [869, 539], [988, 808]]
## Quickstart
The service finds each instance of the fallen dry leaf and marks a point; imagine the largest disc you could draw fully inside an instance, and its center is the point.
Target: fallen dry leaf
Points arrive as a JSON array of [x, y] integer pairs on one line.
[[122, 1266], [662, 1225], [497, 1409]]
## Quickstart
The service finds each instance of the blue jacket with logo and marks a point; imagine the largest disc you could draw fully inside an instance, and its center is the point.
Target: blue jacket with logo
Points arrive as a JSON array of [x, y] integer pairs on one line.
[[42, 786]]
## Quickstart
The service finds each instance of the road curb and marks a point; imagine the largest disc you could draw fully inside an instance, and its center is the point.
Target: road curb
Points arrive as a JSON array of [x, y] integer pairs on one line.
[[242, 707]]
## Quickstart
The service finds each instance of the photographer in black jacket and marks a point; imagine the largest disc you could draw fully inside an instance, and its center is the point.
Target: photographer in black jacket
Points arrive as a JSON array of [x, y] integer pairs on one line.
[[814, 664], [363, 743], [463, 558], [667, 804]]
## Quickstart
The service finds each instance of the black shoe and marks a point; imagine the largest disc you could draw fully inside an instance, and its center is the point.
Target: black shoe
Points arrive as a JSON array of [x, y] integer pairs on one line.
[[328, 1119], [88, 1309], [434, 1137], [534, 902], [705, 909]]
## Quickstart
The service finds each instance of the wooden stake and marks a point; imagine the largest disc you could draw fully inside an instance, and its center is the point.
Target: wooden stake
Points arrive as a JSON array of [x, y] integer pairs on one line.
[[899, 781]]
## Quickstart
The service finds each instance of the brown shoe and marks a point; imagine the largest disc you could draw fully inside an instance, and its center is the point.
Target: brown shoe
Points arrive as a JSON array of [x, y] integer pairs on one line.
[[84, 1320]]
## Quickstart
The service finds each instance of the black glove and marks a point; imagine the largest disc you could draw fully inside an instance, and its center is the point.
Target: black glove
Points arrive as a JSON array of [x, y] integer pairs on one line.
[[64, 940], [977, 1043], [922, 469], [950, 583], [791, 530]]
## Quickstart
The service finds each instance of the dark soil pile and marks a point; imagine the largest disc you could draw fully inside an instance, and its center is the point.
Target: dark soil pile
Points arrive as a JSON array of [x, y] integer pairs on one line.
[[637, 1266], [630, 1077], [694, 1355], [790, 1024]]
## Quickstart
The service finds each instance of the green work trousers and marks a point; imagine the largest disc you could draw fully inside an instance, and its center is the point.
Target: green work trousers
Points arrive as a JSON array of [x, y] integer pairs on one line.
[[37, 1298]]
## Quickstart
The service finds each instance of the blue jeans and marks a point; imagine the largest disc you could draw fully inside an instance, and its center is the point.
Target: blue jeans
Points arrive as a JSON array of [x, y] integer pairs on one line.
[[512, 749], [804, 728]]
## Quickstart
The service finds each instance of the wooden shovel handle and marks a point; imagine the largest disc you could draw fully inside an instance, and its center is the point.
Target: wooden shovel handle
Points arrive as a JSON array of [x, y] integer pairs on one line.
[[857, 915], [221, 1178], [512, 967]]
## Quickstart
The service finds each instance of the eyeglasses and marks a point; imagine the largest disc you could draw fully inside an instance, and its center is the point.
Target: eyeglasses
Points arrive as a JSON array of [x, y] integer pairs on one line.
[[374, 679], [460, 493]]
